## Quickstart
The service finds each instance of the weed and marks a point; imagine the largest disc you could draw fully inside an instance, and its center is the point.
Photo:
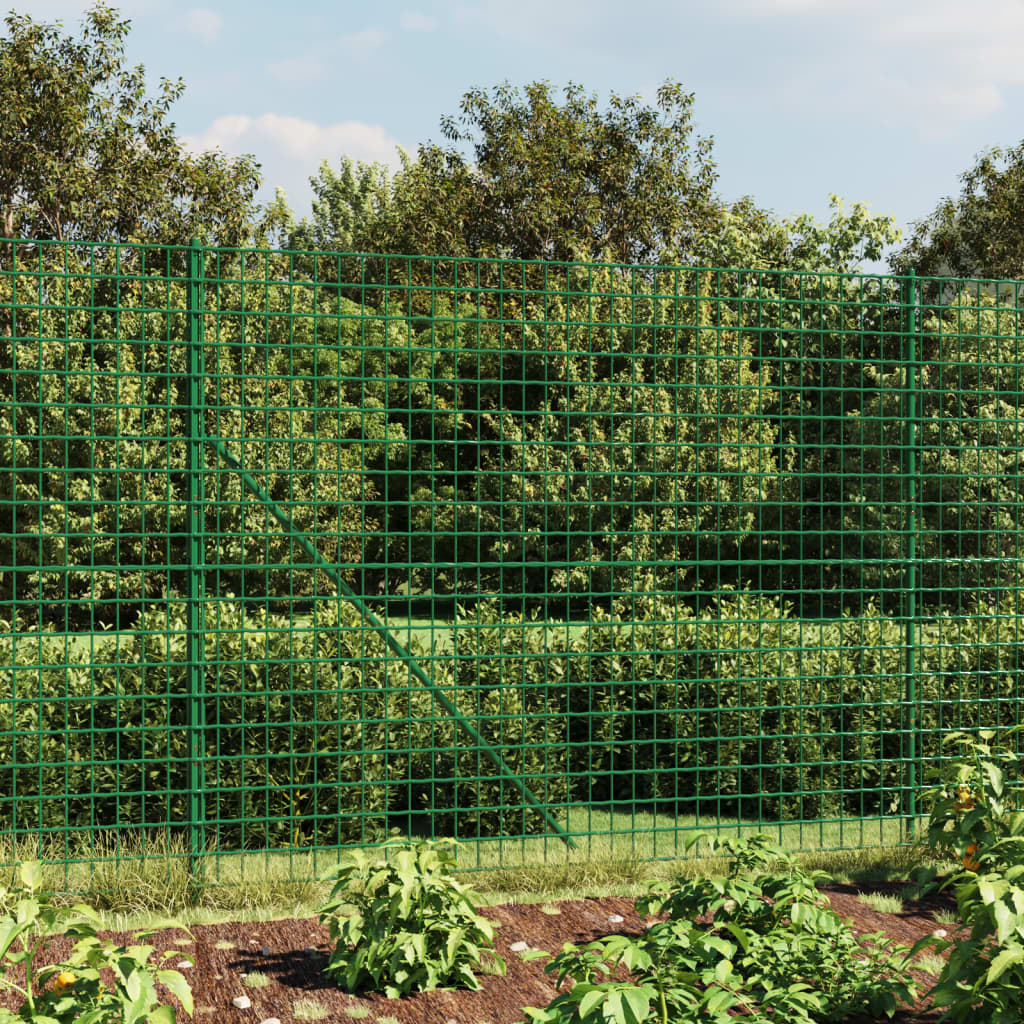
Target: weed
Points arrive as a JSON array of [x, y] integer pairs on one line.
[[309, 1009], [882, 903], [930, 962]]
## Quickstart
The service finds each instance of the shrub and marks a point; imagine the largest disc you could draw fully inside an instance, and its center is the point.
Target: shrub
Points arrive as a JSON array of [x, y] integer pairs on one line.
[[772, 949], [403, 923], [976, 816]]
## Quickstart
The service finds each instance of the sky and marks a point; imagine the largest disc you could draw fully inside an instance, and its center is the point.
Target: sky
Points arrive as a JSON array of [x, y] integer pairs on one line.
[[881, 102]]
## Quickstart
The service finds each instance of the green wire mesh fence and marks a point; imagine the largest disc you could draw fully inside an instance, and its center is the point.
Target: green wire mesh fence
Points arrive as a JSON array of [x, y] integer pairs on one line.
[[300, 549]]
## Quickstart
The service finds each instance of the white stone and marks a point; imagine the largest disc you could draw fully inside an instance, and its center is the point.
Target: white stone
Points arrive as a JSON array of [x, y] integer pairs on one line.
[[242, 1002], [271, 1020], [940, 933], [182, 964], [518, 947], [616, 919]]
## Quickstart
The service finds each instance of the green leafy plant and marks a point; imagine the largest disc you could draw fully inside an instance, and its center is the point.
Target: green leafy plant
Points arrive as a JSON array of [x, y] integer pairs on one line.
[[77, 993], [773, 950], [976, 817], [404, 923]]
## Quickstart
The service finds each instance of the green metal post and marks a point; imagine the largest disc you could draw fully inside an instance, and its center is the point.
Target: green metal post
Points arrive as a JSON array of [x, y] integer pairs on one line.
[[910, 535], [196, 575]]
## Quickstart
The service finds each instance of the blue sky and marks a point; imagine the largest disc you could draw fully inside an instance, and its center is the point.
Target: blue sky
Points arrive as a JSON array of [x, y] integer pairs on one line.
[[882, 102]]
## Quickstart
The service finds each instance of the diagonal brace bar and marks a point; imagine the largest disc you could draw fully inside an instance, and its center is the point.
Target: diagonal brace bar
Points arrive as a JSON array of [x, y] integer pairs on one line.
[[414, 667]]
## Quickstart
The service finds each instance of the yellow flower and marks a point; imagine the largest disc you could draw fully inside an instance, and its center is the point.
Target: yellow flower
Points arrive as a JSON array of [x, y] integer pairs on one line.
[[64, 980]]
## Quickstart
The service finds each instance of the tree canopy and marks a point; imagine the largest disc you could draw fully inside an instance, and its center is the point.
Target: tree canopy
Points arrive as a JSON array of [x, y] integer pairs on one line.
[[570, 181], [86, 155], [979, 234]]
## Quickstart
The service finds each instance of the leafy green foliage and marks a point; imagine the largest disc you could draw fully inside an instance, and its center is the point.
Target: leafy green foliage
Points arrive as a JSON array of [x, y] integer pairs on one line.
[[93, 415], [545, 181], [976, 816], [316, 732], [313, 733], [773, 950], [76, 993], [977, 804], [85, 154], [977, 234], [404, 924]]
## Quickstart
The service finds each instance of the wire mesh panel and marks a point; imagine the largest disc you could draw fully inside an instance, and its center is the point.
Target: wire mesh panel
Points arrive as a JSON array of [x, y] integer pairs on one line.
[[93, 545], [301, 549]]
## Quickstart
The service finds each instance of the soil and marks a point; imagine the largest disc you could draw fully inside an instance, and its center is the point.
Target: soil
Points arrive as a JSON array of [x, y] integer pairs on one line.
[[292, 952]]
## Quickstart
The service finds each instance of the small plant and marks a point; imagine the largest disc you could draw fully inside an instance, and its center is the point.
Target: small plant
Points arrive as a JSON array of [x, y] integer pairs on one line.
[[309, 1009], [356, 1012], [773, 951], [413, 928], [947, 917], [75, 992], [882, 903], [930, 963], [256, 979], [976, 815], [976, 818]]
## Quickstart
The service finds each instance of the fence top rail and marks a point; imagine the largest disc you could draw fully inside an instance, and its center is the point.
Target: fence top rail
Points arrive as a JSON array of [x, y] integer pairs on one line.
[[501, 261]]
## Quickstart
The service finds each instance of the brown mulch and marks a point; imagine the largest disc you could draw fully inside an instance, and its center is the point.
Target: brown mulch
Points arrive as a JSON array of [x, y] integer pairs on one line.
[[292, 952]]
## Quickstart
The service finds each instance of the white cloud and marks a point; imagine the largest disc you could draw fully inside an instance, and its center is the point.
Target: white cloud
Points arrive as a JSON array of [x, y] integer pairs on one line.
[[951, 20], [364, 43], [202, 23], [934, 64], [294, 138], [291, 149], [939, 111], [72, 12], [299, 71], [415, 22], [504, 21], [769, 8]]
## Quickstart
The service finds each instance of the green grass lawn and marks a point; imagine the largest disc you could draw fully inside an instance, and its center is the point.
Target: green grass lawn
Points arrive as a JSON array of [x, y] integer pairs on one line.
[[617, 853]]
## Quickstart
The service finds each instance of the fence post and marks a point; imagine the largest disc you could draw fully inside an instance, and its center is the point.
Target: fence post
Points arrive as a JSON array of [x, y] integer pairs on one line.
[[196, 558], [909, 525]]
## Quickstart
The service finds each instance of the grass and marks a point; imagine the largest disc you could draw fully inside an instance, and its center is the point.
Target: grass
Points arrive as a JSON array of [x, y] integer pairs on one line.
[[144, 883], [882, 903], [930, 962], [309, 1009], [256, 979], [136, 884], [434, 634], [947, 917]]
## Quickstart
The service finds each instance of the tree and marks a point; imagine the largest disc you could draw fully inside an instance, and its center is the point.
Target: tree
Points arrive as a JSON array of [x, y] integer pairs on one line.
[[86, 155], [547, 181], [571, 182], [977, 235]]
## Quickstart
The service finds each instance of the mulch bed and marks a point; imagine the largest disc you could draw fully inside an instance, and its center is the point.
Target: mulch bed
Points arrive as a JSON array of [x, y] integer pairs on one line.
[[292, 952]]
